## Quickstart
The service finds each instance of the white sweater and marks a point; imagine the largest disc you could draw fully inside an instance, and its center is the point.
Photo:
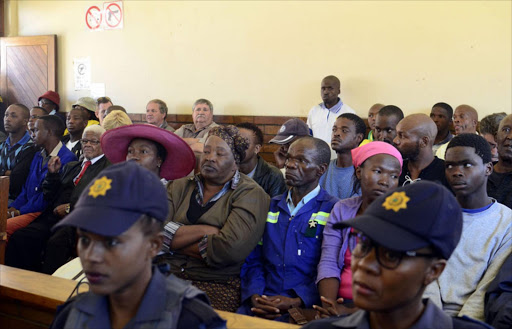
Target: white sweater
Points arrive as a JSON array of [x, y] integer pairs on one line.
[[485, 243]]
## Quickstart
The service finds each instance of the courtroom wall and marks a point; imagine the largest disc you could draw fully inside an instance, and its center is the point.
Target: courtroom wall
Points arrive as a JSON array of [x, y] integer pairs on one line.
[[268, 57]]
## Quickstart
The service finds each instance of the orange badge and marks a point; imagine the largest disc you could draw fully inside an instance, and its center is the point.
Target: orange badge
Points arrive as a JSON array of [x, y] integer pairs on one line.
[[396, 201], [100, 187]]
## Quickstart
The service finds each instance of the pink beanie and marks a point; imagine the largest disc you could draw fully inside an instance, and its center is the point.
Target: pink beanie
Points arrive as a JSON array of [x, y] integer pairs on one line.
[[361, 153]]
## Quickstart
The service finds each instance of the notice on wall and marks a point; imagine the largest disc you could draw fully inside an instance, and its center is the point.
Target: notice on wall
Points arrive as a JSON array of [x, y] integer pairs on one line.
[[82, 73], [110, 17], [113, 15], [97, 90]]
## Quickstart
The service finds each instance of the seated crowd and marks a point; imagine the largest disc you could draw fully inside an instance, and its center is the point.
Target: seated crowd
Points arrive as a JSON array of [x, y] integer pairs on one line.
[[407, 226]]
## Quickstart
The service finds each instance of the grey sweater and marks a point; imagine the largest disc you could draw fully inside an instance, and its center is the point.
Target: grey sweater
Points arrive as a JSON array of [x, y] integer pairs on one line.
[[485, 243]]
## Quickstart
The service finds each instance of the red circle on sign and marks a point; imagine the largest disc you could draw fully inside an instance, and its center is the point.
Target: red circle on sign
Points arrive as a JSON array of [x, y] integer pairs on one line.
[[117, 19], [95, 23]]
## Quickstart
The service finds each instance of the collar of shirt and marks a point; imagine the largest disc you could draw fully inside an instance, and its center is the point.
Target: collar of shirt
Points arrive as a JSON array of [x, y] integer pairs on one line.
[[164, 124], [231, 184], [335, 109], [53, 112], [54, 152], [446, 140], [430, 316], [251, 174], [93, 160], [294, 209], [22, 141], [193, 128], [152, 305]]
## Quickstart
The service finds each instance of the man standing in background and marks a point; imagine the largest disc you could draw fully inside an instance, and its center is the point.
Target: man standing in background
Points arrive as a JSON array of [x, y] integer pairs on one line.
[[322, 116]]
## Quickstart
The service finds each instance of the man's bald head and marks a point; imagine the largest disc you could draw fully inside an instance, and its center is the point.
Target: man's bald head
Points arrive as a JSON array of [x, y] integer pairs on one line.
[[332, 79], [465, 119], [415, 135], [421, 125]]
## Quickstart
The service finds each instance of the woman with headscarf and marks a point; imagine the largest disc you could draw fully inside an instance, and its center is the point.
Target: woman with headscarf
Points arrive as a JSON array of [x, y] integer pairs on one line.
[[155, 149], [378, 167], [216, 219]]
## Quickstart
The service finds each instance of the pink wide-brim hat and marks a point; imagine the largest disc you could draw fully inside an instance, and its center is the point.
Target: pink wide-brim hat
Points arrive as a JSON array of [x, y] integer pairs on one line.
[[178, 163]]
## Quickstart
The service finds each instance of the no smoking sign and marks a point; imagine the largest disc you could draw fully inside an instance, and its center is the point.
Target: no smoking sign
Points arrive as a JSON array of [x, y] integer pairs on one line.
[[111, 17]]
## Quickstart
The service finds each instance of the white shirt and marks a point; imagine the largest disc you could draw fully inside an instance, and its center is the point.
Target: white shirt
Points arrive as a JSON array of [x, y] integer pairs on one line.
[[321, 120]]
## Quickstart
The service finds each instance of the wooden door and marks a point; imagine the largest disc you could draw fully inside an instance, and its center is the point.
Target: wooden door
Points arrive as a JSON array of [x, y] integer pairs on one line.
[[28, 68]]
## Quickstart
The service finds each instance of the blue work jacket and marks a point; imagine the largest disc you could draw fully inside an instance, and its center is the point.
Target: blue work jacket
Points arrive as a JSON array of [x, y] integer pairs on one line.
[[285, 261]]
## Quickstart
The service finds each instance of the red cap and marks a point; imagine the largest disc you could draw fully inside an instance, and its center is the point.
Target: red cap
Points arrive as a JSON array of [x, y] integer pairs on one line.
[[51, 95]]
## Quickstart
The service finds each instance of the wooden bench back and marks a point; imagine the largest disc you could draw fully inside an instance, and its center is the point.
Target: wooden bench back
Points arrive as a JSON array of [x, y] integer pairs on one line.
[[29, 300]]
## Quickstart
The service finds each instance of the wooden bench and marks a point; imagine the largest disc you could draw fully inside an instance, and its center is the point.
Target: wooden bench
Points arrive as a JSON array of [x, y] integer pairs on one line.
[[29, 300]]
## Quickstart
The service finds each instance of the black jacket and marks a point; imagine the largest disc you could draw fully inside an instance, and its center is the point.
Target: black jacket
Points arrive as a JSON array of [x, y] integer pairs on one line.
[[61, 191], [269, 178], [77, 149]]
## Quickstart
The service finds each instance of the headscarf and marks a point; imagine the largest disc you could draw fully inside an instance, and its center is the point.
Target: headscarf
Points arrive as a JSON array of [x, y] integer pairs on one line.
[[236, 142], [362, 153]]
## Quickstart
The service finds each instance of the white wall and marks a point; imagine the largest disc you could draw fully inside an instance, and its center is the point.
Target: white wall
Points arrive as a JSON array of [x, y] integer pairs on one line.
[[268, 57]]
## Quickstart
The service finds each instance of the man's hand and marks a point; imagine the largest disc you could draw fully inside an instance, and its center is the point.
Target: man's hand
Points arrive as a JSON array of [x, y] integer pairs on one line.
[[54, 165], [330, 308], [264, 308], [61, 210], [284, 303], [12, 212], [7, 173]]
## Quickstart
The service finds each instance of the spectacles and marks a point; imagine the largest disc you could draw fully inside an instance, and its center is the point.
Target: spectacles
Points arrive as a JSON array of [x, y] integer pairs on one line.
[[35, 116], [44, 102], [360, 245], [93, 142]]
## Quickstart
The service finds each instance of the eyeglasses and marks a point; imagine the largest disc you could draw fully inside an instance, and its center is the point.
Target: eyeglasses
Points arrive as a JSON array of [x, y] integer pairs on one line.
[[93, 142], [44, 102], [35, 116], [360, 245]]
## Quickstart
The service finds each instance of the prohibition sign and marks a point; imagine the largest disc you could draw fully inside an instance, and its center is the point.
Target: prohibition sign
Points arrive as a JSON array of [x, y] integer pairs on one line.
[[93, 18], [114, 16]]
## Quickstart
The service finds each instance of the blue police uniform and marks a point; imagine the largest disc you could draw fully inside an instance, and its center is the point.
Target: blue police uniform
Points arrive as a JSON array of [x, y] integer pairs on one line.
[[167, 303], [431, 318], [285, 261]]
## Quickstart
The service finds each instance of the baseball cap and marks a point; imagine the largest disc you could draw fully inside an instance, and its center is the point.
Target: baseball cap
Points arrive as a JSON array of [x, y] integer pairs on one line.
[[86, 102], [290, 129], [412, 217], [117, 198]]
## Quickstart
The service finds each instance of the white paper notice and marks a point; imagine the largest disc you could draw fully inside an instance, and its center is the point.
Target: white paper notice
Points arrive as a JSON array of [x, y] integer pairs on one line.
[[97, 90], [82, 73]]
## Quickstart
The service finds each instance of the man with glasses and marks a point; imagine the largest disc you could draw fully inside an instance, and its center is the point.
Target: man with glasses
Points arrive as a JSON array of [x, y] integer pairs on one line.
[[279, 275], [35, 113], [398, 246], [50, 101], [63, 190]]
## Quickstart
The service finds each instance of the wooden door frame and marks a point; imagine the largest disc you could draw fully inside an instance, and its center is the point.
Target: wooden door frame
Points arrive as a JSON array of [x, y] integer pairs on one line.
[[50, 40]]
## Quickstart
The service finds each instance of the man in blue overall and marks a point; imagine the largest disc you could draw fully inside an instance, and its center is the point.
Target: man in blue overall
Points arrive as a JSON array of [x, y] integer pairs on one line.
[[280, 273]]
